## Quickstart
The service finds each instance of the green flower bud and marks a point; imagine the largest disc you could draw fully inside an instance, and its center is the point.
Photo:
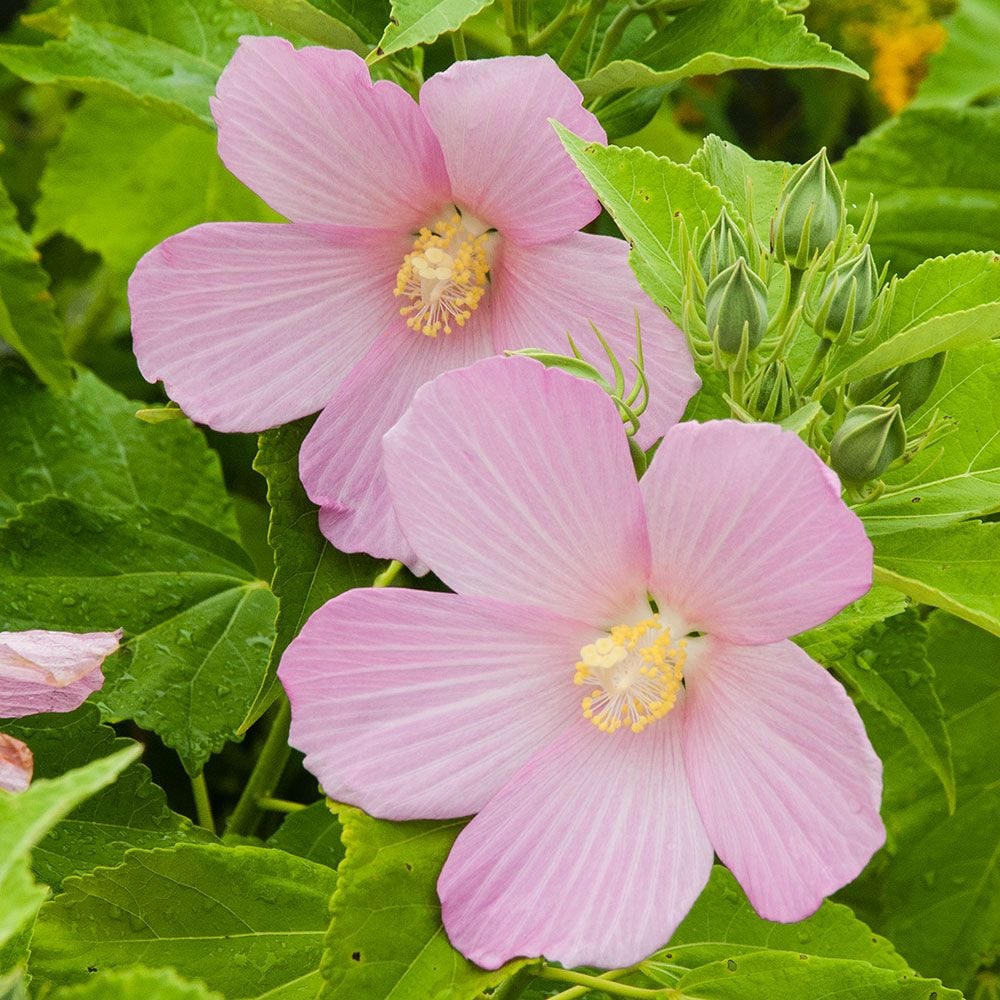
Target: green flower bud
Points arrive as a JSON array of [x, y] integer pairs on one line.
[[849, 293], [809, 214], [911, 385], [722, 246], [869, 440], [735, 300], [773, 395]]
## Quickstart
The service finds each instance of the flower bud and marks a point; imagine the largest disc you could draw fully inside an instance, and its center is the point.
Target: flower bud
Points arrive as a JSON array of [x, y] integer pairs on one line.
[[736, 300], [809, 214], [849, 293], [722, 246], [868, 441], [911, 385], [773, 395]]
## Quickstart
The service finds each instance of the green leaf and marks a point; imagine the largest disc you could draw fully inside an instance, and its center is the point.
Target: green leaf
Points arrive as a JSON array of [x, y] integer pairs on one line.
[[136, 983], [26, 818], [164, 57], [648, 196], [793, 976], [718, 36], [28, 320], [248, 921], [944, 304], [386, 941], [312, 833], [955, 567], [13, 986], [198, 623], [174, 180], [330, 28], [88, 445], [892, 674], [132, 812], [965, 70], [308, 569], [933, 173], [414, 22], [960, 477]]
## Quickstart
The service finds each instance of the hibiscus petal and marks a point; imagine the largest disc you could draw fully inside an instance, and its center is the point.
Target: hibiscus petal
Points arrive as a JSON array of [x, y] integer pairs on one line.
[[505, 160], [44, 671], [319, 142], [751, 541], [251, 325], [421, 705], [783, 773], [591, 854], [543, 293], [514, 481], [341, 459], [16, 764]]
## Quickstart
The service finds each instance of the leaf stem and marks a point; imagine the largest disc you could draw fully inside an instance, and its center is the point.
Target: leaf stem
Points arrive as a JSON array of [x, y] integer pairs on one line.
[[202, 803], [280, 805], [575, 992], [544, 35], [597, 983], [458, 45], [515, 21], [385, 578], [583, 29], [612, 38]]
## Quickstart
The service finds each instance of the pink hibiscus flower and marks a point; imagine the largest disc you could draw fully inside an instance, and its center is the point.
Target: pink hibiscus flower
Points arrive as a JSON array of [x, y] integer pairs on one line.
[[45, 672], [611, 688], [408, 221]]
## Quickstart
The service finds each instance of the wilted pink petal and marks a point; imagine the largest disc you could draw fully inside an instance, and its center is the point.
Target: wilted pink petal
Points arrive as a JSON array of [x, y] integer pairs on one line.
[[783, 773], [16, 764]]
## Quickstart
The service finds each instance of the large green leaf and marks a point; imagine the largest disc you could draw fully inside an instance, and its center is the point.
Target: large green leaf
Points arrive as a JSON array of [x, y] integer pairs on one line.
[[933, 171], [312, 833], [132, 812], [28, 320], [174, 180], [386, 941], [944, 304], [332, 28], [248, 921], [165, 56], [717, 36], [137, 984], [88, 445], [26, 818], [198, 623], [648, 197], [413, 22]]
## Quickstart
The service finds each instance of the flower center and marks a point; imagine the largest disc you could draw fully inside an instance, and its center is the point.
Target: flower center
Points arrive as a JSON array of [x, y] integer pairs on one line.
[[636, 672], [444, 276]]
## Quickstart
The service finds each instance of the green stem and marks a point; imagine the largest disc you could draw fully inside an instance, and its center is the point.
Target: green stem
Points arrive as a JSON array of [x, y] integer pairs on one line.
[[575, 992], [583, 29], [543, 37], [458, 45], [612, 38], [736, 384], [818, 356], [202, 803], [513, 22], [597, 983], [265, 775], [385, 578], [280, 805]]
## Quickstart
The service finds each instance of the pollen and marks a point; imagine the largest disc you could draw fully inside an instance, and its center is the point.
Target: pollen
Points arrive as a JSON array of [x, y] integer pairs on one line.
[[445, 275], [634, 674]]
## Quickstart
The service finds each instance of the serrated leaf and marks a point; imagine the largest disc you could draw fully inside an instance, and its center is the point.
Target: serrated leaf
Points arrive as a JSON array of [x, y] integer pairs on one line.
[[386, 941], [88, 445], [648, 196], [130, 813], [933, 171], [248, 921], [944, 304], [313, 833], [414, 22], [718, 36], [28, 320], [137, 983], [198, 623], [310, 21]]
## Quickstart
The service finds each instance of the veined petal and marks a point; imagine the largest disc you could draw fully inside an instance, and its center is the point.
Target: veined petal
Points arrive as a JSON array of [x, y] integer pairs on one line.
[[341, 459], [783, 773], [421, 705], [44, 671], [591, 854], [543, 293], [319, 142], [16, 764], [514, 481], [751, 541], [505, 160], [250, 325]]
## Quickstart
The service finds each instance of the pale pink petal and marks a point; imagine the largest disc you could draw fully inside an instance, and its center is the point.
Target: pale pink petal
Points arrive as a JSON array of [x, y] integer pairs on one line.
[[251, 325], [783, 773], [421, 705], [543, 293], [341, 459], [44, 671], [514, 481], [319, 142], [506, 163], [16, 764], [751, 541], [591, 854]]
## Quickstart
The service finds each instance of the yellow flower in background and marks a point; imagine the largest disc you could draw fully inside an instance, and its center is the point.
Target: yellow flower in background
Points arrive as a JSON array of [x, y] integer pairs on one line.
[[900, 61]]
